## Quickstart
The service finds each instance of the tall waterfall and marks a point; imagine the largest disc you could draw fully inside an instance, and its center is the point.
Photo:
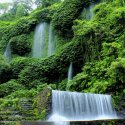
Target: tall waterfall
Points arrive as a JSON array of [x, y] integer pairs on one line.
[[40, 41], [7, 52], [70, 72], [44, 41], [74, 106], [52, 41]]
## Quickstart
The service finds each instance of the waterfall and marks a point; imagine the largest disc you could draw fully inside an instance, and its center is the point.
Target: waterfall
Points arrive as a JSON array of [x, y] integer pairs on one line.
[[74, 106], [52, 41], [70, 72], [7, 52], [44, 41], [40, 41], [88, 12]]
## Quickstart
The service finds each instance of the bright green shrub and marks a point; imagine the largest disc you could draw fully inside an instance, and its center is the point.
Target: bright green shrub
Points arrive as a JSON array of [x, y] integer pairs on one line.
[[20, 45], [117, 72], [117, 18], [102, 11], [112, 49], [4, 103], [19, 63], [9, 87], [22, 93], [78, 83], [62, 85]]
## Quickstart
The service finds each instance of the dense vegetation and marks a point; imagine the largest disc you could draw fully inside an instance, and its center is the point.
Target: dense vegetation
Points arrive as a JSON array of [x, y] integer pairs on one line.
[[96, 48]]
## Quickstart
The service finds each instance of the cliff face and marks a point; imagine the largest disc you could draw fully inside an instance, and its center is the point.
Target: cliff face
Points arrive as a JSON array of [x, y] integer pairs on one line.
[[96, 47]]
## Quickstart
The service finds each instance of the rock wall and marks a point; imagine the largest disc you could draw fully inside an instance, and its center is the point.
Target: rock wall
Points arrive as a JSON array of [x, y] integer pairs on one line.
[[44, 102]]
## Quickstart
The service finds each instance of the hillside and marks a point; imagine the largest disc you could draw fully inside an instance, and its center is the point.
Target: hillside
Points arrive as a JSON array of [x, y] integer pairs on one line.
[[93, 41]]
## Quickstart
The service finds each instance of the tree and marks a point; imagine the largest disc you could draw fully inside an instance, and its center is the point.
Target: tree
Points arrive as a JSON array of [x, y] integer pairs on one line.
[[4, 7], [21, 11], [24, 5]]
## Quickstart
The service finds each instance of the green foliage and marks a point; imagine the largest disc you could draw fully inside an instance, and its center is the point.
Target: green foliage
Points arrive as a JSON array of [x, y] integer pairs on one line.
[[20, 45], [98, 46], [64, 16], [17, 64], [22, 26], [22, 93], [20, 11], [102, 11], [62, 85], [78, 83], [116, 73], [8, 102], [5, 70], [7, 17], [9, 87], [52, 68], [27, 24], [16, 9]]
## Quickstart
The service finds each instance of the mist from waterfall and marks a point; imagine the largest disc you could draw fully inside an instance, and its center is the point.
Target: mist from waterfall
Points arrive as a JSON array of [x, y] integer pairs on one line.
[[40, 41], [7, 52], [74, 106], [52, 41]]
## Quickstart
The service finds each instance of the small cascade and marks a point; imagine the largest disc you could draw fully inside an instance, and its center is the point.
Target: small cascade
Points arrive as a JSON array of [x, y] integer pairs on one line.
[[40, 41], [74, 106], [70, 72], [87, 12], [7, 52], [52, 41]]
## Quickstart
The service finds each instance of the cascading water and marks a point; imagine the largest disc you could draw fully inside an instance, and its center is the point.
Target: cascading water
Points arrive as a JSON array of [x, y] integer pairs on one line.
[[70, 72], [40, 41], [44, 41], [87, 12], [74, 106], [7, 52], [52, 41]]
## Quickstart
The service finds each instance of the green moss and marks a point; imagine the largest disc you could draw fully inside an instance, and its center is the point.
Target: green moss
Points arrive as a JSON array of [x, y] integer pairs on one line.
[[9, 87]]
